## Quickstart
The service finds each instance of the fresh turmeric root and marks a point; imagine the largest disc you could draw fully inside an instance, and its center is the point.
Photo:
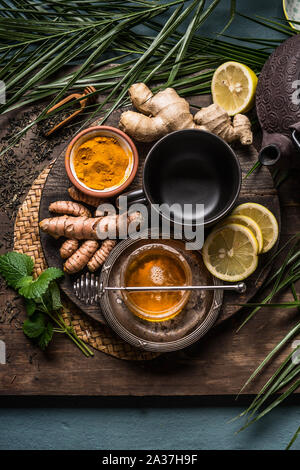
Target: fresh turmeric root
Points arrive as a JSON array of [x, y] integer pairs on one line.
[[82, 197], [69, 208], [80, 258], [100, 256], [68, 248], [80, 228], [117, 223], [166, 112], [83, 227], [86, 228]]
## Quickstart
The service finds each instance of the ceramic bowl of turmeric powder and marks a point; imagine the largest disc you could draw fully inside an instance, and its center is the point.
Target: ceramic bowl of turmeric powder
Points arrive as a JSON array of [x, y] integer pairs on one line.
[[101, 161]]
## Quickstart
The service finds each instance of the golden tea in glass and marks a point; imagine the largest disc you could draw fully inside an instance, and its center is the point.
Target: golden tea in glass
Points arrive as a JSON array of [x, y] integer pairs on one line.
[[156, 265]]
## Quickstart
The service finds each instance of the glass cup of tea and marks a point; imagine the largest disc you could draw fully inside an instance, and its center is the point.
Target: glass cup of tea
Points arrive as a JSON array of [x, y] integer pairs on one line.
[[156, 265]]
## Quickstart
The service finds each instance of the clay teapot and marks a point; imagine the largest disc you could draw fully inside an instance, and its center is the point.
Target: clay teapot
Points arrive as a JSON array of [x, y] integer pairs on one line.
[[278, 104]]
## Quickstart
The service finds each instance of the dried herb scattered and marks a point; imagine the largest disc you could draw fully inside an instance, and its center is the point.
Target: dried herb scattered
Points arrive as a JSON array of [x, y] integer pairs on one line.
[[33, 58]]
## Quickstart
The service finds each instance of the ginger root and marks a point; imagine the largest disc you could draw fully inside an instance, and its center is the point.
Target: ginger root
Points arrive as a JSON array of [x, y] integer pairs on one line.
[[69, 208], [159, 114], [242, 127], [100, 256], [214, 119], [68, 248], [82, 197], [80, 258], [166, 112]]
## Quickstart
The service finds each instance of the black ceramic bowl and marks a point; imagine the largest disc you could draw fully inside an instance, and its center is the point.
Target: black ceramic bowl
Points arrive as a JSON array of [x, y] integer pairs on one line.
[[192, 166]]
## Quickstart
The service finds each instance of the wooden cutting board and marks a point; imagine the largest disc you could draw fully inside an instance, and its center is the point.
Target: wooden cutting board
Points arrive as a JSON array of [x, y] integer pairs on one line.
[[259, 189], [218, 365]]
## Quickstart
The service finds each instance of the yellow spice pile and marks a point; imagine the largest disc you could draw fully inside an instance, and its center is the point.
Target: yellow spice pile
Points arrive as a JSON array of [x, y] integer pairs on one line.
[[101, 163]]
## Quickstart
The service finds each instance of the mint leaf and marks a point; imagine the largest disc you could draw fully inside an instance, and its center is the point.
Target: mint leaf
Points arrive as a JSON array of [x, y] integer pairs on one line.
[[46, 336], [39, 286], [55, 296], [14, 266], [35, 325], [30, 306], [24, 281]]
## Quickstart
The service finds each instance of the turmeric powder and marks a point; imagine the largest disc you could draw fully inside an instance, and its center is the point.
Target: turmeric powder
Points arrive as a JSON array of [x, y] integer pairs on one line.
[[101, 163]]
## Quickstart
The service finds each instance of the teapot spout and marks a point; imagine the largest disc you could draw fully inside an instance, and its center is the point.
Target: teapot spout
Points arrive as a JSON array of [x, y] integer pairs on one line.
[[275, 147]]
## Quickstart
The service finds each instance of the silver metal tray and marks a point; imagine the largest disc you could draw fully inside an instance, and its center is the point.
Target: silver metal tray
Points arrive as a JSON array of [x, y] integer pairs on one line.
[[188, 326]]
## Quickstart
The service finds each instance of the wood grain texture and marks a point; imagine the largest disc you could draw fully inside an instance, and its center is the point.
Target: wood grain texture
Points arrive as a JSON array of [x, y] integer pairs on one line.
[[218, 365], [259, 189]]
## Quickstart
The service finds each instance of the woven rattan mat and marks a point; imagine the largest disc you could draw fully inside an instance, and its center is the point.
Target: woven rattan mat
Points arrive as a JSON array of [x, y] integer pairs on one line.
[[27, 240]]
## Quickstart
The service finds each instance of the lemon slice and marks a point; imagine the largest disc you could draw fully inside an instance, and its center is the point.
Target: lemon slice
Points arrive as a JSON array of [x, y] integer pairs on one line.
[[247, 222], [264, 218], [230, 252], [233, 87]]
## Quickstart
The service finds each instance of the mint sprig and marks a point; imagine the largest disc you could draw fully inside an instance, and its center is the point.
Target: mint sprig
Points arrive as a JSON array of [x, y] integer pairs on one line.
[[34, 289], [37, 327], [46, 336], [34, 326], [42, 299], [14, 267]]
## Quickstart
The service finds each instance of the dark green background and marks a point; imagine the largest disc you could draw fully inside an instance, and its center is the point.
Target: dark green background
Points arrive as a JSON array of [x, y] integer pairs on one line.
[[155, 424]]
